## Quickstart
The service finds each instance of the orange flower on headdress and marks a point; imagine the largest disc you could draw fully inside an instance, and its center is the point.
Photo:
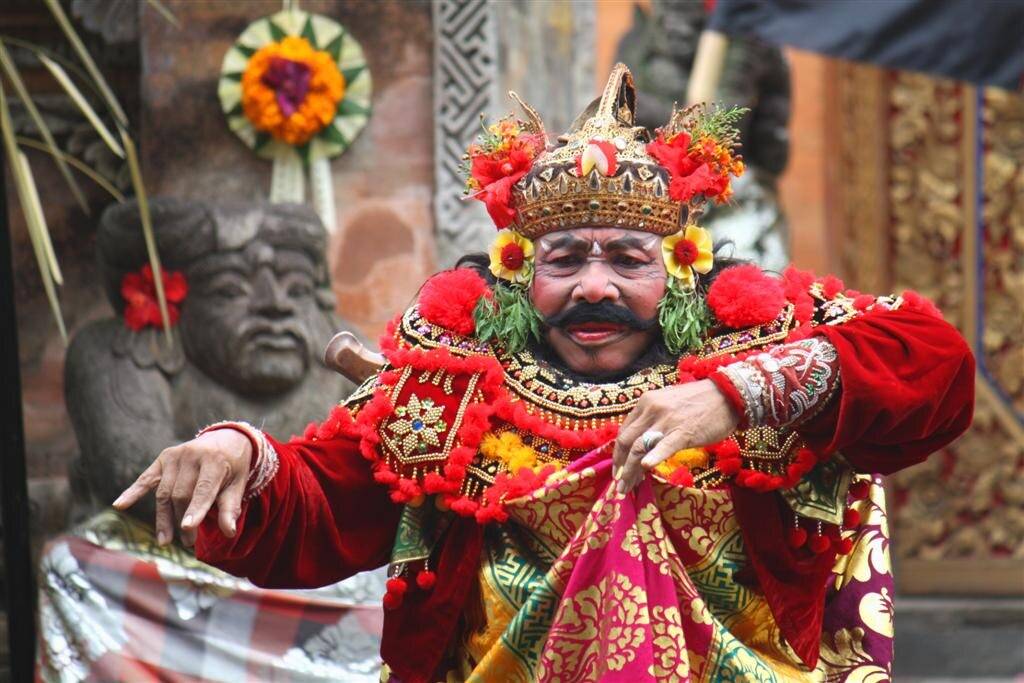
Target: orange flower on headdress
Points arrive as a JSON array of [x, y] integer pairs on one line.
[[511, 257], [291, 90], [687, 253]]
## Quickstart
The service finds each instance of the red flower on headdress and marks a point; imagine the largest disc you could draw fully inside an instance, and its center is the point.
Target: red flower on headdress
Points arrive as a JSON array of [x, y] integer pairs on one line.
[[695, 168], [503, 155], [497, 173], [139, 292]]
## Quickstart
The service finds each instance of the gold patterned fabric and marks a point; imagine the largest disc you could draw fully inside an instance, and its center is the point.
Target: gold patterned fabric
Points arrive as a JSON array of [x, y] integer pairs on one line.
[[586, 584]]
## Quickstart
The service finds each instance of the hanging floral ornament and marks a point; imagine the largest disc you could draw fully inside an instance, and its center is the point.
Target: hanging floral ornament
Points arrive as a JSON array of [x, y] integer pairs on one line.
[[295, 89], [511, 257], [688, 254]]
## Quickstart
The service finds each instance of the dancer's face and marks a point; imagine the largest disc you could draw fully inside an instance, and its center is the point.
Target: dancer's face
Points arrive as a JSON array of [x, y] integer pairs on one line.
[[599, 290]]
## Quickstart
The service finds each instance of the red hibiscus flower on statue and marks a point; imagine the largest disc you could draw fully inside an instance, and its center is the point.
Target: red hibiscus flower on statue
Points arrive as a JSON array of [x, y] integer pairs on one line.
[[502, 156], [139, 292]]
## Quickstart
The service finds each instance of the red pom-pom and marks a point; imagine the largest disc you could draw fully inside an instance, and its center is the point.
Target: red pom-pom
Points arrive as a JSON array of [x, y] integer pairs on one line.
[[844, 546], [726, 450], [396, 586], [859, 489], [729, 466], [796, 537], [831, 285], [744, 296], [851, 518], [464, 506], [819, 544], [863, 301], [392, 601], [912, 301], [383, 476], [426, 579], [434, 483], [681, 476], [448, 299]]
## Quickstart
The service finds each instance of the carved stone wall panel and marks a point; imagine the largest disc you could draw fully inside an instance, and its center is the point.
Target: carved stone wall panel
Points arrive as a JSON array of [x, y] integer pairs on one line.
[[482, 49], [953, 229]]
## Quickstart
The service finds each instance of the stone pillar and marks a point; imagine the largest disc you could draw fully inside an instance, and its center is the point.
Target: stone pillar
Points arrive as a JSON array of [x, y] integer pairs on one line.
[[484, 48]]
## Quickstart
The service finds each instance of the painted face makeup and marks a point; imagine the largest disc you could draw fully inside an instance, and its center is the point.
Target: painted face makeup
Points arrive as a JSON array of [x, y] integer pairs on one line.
[[598, 290]]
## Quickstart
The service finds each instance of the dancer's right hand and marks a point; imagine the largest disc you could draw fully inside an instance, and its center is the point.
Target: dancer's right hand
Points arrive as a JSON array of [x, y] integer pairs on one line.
[[189, 478]]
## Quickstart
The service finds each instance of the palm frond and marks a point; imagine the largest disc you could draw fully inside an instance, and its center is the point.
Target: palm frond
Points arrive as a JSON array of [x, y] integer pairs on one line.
[[7, 64], [32, 209], [78, 165], [165, 13], [147, 228], [87, 61], [61, 76]]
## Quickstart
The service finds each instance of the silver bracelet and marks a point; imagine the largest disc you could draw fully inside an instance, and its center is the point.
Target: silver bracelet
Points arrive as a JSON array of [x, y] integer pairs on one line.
[[264, 466]]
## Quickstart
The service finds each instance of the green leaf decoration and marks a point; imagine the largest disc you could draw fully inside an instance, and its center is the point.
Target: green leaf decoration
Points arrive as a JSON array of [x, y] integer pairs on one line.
[[510, 319], [348, 107], [304, 153], [245, 50], [334, 47], [262, 140], [235, 110], [352, 74], [235, 76], [684, 318], [333, 135], [276, 32], [307, 31]]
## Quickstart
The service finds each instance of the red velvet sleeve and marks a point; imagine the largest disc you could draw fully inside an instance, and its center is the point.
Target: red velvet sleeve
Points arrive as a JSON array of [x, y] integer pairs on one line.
[[906, 390], [322, 518]]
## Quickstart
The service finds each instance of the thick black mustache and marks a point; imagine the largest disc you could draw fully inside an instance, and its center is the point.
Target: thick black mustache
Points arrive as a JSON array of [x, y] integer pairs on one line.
[[601, 312]]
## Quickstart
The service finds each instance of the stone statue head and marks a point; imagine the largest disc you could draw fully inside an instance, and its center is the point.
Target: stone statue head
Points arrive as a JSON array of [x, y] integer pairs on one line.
[[258, 307]]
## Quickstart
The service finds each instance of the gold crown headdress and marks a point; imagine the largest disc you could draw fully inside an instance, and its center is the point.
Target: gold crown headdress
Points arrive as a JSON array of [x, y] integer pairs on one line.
[[605, 171]]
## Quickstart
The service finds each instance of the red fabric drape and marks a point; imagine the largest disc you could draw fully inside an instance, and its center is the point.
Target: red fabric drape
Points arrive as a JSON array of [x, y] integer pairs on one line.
[[321, 519], [906, 390]]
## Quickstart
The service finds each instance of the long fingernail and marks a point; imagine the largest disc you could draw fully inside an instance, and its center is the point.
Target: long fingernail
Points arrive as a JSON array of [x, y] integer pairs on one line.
[[118, 501], [233, 527], [161, 538], [187, 521], [621, 486], [649, 462]]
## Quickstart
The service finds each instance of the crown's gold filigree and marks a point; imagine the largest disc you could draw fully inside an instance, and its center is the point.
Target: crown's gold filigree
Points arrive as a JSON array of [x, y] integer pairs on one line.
[[554, 196], [606, 170]]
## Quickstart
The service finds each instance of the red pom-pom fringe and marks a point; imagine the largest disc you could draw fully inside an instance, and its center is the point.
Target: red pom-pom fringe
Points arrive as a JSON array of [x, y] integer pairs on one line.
[[851, 518], [426, 579], [819, 544], [844, 546], [744, 296], [796, 537]]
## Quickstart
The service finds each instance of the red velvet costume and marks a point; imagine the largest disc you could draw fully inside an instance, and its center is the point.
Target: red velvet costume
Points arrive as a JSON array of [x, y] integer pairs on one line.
[[481, 473], [905, 390]]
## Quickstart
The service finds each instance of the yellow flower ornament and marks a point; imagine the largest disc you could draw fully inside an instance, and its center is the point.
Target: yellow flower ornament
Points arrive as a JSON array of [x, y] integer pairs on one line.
[[688, 253], [511, 257]]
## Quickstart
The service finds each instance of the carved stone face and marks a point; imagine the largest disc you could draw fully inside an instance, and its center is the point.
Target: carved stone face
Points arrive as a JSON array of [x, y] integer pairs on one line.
[[249, 319]]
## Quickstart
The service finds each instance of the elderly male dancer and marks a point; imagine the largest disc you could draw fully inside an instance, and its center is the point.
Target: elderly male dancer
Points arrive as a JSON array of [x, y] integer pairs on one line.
[[597, 454]]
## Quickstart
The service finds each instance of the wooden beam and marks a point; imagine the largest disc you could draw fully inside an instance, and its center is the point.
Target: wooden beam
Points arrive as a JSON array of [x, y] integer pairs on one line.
[[18, 578]]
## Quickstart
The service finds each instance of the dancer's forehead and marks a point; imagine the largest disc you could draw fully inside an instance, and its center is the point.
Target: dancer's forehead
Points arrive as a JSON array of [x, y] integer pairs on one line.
[[598, 240]]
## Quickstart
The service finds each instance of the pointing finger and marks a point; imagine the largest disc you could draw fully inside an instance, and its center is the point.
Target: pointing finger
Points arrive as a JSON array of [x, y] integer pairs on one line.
[[146, 481]]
